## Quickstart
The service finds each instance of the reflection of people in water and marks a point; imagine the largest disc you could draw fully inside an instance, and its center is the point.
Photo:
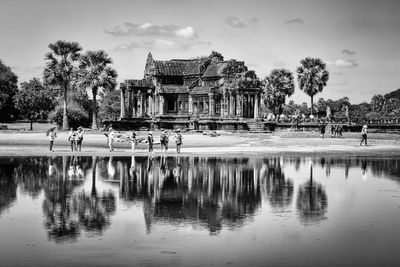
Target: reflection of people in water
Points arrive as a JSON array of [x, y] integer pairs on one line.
[[132, 170], [51, 167], [364, 169]]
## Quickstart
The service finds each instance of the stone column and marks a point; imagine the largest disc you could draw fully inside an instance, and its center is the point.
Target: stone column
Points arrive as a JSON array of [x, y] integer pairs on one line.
[[190, 103], [231, 105], [134, 102], [256, 106], [129, 108], [150, 110], [123, 88], [211, 107], [161, 111], [238, 105], [223, 104]]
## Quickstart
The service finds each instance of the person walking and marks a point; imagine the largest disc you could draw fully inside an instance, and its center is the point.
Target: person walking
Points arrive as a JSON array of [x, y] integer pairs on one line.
[[79, 138], [364, 132], [163, 140], [71, 138], [133, 139], [150, 141], [178, 140], [322, 129], [111, 137], [166, 141], [52, 135]]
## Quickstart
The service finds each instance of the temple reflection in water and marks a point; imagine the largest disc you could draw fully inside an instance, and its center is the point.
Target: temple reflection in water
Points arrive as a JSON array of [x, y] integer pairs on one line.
[[81, 194]]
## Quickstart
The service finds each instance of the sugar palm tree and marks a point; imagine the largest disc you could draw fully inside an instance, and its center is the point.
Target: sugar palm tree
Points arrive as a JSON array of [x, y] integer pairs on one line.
[[96, 74], [278, 85], [312, 77], [61, 65]]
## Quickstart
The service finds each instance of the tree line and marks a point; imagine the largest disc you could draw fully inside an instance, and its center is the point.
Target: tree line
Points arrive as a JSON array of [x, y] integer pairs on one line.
[[62, 96], [70, 74]]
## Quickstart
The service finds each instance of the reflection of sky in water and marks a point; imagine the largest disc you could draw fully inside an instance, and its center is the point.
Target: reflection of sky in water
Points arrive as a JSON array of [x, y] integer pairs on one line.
[[199, 210]]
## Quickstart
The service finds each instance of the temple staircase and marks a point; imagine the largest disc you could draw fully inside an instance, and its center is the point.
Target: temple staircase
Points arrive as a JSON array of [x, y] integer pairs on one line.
[[256, 126]]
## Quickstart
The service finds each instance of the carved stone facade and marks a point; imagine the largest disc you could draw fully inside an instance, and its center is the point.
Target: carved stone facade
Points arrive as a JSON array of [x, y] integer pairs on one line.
[[206, 91]]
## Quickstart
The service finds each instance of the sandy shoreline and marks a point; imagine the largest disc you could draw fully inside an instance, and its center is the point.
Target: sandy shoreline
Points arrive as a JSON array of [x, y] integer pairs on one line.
[[227, 144]]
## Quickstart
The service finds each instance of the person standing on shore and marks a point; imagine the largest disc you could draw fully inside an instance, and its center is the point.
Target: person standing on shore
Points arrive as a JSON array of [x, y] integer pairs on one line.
[[133, 139], [178, 140], [163, 138], [322, 129], [52, 136], [150, 140], [79, 138], [71, 138], [111, 137], [364, 132]]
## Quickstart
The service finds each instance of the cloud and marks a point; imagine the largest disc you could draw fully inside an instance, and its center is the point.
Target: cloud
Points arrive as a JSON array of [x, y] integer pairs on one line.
[[159, 44], [235, 22], [348, 52], [297, 20], [279, 64], [337, 73], [149, 29], [343, 63], [342, 83]]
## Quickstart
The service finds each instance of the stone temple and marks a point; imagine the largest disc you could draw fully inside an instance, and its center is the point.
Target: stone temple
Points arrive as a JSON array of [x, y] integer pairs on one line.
[[205, 93]]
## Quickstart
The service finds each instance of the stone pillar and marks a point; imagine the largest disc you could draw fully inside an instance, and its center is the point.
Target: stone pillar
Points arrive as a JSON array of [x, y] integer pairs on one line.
[[123, 88], [134, 103], [161, 111], [211, 107], [190, 103], [150, 110], [231, 105], [256, 106], [129, 107], [239, 105], [223, 105]]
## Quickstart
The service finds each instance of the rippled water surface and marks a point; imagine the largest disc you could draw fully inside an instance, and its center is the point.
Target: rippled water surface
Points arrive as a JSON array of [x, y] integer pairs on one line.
[[109, 211]]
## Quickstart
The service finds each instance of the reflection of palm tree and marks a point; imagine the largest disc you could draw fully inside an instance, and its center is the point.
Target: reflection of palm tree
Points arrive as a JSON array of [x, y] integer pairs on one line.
[[8, 186], [312, 201], [279, 189], [94, 211]]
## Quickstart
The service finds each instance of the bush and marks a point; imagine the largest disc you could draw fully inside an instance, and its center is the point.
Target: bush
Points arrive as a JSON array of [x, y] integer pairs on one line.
[[77, 116]]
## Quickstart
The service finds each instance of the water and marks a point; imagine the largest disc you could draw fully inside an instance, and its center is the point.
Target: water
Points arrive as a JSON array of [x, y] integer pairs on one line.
[[197, 211]]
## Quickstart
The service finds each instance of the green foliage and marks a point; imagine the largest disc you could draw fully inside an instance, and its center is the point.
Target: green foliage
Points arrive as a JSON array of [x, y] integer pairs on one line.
[[8, 89], [96, 74], [278, 85], [312, 76], [77, 116], [61, 67], [377, 102], [110, 106], [34, 100]]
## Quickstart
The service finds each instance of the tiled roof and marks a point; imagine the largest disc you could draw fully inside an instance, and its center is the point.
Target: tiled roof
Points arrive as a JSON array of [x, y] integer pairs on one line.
[[170, 68], [215, 69], [179, 67]]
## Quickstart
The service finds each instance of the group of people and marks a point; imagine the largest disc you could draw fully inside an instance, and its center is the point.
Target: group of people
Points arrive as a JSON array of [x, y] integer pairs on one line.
[[336, 130], [74, 137], [164, 140]]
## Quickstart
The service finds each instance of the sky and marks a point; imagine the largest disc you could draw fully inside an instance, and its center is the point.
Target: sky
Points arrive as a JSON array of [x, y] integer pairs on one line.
[[359, 40]]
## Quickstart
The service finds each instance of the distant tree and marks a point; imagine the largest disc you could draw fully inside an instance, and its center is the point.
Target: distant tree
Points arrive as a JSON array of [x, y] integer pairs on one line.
[[96, 74], [8, 89], [34, 101], [278, 85], [61, 65], [312, 77], [377, 102], [321, 105], [110, 105], [304, 105]]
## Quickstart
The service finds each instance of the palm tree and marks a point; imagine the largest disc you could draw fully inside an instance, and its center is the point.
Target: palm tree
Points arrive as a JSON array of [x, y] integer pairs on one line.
[[278, 85], [96, 74], [60, 69], [312, 77]]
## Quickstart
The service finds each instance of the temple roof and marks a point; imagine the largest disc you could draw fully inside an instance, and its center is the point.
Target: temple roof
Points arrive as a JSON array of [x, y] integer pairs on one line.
[[215, 69], [179, 67]]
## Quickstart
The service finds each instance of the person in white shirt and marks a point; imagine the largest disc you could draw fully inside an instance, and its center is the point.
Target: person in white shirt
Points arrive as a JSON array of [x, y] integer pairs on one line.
[[79, 138], [364, 133], [52, 136], [111, 137]]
